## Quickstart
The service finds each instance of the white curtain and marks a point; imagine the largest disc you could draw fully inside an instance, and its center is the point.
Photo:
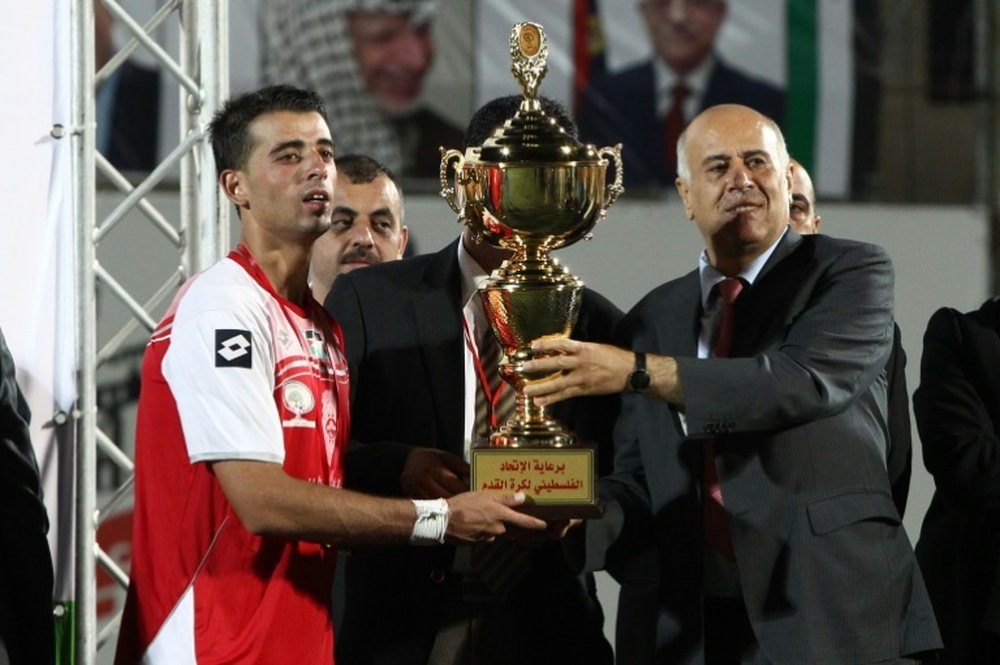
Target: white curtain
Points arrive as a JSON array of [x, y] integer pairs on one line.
[[37, 271]]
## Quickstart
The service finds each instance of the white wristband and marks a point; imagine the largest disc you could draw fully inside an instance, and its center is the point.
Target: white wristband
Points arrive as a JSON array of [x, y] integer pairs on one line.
[[432, 521]]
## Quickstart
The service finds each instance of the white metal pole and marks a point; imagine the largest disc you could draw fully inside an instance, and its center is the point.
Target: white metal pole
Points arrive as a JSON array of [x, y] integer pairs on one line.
[[84, 183], [204, 56]]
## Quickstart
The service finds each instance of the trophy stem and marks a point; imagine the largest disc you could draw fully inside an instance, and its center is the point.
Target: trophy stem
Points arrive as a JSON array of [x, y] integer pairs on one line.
[[531, 427]]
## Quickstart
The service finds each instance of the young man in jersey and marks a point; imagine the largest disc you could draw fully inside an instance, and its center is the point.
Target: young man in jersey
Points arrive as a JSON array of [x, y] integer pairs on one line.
[[243, 418]]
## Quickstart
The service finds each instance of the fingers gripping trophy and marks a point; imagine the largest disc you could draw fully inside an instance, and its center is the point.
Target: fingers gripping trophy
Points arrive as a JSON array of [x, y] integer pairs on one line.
[[531, 188]]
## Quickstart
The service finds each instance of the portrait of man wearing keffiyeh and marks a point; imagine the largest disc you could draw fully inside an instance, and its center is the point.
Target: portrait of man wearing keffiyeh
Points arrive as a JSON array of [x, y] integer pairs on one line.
[[368, 60]]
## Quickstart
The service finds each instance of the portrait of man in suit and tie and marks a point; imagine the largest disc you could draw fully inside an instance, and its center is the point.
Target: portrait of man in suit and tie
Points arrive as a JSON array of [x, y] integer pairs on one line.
[[751, 445], [645, 107]]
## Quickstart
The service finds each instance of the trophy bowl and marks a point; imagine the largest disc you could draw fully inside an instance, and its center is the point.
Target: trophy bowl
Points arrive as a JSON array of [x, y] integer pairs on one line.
[[524, 205]]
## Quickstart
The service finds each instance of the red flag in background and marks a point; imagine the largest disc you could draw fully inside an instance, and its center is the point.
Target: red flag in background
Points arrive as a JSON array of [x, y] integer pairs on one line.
[[588, 47]]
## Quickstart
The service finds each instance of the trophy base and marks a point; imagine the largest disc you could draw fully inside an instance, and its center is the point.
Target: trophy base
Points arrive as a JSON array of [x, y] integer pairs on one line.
[[521, 437], [559, 483]]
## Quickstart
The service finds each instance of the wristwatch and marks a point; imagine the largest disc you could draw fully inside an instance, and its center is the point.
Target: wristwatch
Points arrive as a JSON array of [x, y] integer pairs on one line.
[[638, 380]]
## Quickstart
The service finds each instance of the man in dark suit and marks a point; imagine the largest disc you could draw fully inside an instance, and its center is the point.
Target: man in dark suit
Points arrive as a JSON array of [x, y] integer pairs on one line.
[[647, 106], [26, 626], [755, 441], [127, 104], [412, 420], [805, 218], [957, 406]]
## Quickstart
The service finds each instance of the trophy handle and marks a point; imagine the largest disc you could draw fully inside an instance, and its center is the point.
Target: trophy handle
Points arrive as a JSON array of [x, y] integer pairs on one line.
[[447, 191], [615, 189]]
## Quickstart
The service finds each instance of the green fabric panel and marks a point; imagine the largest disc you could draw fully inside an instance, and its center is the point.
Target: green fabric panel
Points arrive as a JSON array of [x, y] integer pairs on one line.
[[802, 97]]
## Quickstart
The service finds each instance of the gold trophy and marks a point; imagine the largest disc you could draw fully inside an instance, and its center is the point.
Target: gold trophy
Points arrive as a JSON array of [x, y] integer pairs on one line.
[[532, 188]]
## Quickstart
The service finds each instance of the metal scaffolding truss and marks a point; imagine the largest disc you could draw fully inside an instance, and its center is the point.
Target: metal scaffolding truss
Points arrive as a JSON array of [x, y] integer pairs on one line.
[[200, 235]]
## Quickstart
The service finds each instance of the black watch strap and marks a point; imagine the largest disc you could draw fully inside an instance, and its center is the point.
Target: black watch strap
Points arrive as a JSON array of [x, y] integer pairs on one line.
[[638, 380]]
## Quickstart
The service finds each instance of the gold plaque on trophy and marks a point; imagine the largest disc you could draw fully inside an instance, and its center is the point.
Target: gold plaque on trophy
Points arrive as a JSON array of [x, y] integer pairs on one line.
[[532, 188]]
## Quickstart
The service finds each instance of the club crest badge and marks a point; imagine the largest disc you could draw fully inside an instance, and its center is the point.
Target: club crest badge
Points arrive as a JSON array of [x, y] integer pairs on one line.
[[299, 400]]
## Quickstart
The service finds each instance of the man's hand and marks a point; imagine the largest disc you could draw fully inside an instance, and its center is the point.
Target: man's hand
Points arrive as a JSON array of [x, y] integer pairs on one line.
[[479, 517], [555, 530], [433, 474], [587, 369]]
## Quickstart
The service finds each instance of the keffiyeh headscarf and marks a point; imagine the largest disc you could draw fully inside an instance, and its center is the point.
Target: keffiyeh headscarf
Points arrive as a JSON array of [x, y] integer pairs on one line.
[[307, 43]]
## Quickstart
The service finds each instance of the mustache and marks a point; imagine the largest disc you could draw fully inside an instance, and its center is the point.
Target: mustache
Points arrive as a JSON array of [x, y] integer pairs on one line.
[[741, 198], [674, 30], [359, 254]]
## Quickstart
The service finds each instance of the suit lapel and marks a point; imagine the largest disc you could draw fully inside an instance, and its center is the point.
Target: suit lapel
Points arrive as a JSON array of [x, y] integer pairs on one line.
[[678, 334], [438, 316], [763, 305]]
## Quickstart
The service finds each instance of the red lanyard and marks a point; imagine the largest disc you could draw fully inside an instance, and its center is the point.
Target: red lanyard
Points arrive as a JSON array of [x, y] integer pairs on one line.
[[491, 397]]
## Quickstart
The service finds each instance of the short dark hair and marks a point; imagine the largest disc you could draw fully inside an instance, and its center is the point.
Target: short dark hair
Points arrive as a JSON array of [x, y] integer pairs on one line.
[[361, 169], [494, 113], [230, 128]]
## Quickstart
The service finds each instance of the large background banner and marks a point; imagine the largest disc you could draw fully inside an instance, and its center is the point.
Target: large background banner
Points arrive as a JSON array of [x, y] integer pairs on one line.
[[802, 49]]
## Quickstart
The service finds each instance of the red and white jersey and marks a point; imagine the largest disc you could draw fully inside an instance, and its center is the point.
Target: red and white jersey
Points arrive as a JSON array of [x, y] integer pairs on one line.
[[233, 372]]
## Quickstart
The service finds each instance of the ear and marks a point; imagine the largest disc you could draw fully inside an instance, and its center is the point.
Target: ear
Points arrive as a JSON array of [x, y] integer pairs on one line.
[[230, 181], [685, 191], [818, 220], [404, 237]]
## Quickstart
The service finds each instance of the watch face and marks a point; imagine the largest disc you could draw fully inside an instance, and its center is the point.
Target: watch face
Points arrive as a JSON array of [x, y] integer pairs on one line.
[[638, 380]]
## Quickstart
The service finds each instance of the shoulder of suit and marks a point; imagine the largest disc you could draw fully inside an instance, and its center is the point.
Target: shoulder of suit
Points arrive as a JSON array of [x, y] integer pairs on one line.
[[988, 313], [681, 285], [638, 76], [593, 300], [827, 243], [726, 71]]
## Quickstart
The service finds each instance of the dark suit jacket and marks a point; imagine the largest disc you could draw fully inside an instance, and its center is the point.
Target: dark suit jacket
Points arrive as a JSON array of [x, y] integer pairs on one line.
[[957, 407], [135, 119], [422, 134], [402, 325], [899, 461], [621, 108], [26, 625], [798, 415]]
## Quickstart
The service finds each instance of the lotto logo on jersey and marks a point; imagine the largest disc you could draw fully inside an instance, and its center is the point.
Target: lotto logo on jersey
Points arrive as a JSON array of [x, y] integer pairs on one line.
[[233, 348]]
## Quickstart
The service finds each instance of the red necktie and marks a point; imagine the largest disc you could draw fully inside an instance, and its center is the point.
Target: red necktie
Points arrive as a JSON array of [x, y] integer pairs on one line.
[[715, 522], [673, 125]]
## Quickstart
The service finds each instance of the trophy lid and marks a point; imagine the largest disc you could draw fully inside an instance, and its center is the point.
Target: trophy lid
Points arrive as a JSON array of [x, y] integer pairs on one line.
[[531, 135]]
